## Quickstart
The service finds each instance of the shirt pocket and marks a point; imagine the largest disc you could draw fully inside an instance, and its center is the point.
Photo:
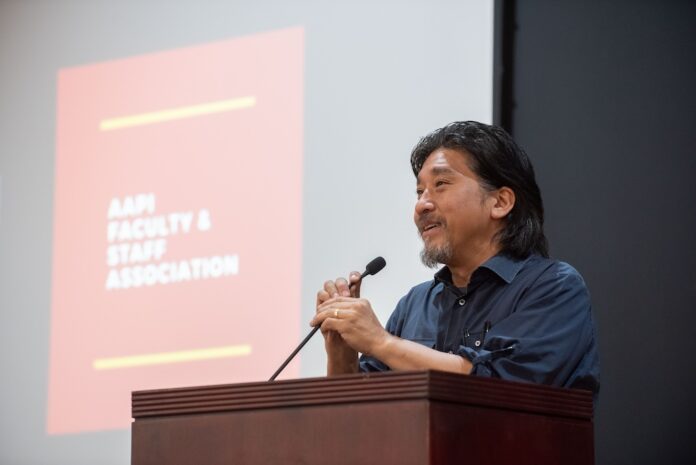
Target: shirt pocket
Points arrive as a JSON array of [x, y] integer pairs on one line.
[[473, 338]]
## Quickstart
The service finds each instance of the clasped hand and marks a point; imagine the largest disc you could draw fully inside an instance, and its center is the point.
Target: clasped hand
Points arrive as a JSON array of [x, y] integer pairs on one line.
[[341, 312]]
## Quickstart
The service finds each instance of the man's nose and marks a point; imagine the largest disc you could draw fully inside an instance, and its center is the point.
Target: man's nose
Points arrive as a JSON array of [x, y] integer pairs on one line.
[[424, 204]]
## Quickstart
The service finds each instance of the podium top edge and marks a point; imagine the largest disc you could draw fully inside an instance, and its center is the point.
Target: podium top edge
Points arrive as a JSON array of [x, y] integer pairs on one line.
[[366, 387]]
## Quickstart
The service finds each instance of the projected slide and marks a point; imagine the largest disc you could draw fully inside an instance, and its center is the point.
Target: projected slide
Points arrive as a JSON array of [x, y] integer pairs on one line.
[[177, 224]]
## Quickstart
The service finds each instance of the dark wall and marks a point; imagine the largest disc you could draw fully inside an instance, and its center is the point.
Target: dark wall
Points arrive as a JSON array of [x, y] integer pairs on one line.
[[601, 95]]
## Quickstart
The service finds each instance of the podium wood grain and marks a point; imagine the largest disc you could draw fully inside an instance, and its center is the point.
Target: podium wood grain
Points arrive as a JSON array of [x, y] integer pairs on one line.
[[403, 418]]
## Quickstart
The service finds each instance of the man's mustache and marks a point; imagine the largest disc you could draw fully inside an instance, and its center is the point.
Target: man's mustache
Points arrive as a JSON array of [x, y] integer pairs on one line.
[[427, 220]]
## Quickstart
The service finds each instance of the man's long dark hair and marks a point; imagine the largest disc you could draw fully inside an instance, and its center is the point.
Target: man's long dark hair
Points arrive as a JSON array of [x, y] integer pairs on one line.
[[498, 161]]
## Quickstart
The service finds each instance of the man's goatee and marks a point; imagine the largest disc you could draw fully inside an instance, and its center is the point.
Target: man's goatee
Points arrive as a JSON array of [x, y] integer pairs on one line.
[[433, 256]]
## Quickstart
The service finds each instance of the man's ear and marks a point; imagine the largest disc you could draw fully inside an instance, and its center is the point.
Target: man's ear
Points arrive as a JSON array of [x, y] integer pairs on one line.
[[504, 200]]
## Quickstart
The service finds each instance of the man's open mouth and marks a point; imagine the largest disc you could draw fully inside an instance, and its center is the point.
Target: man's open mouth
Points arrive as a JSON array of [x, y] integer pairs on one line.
[[429, 227]]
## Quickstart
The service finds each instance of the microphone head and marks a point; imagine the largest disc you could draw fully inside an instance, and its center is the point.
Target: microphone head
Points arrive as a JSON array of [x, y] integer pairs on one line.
[[375, 266]]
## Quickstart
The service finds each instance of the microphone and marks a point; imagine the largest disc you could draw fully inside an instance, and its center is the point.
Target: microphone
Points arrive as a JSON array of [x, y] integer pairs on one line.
[[372, 268]]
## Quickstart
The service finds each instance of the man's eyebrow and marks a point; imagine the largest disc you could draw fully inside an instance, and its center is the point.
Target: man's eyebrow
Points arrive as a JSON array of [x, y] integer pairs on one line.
[[435, 170], [441, 170]]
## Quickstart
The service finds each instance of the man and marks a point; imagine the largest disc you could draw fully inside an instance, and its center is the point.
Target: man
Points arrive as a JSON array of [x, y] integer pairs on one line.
[[499, 307]]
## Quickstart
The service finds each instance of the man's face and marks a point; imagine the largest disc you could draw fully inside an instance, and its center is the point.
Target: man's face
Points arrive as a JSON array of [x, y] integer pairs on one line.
[[453, 212]]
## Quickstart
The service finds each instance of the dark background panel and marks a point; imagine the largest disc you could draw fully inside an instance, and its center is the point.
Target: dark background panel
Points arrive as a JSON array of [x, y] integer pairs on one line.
[[602, 97]]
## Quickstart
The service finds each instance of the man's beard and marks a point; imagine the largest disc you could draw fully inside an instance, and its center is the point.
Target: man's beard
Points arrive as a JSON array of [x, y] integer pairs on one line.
[[433, 256]]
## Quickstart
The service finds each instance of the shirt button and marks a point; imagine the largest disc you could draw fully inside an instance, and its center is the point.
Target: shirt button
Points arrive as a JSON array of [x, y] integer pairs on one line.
[[461, 302], [477, 343]]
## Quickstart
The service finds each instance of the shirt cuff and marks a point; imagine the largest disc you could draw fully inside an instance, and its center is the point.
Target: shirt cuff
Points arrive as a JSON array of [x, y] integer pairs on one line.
[[482, 359]]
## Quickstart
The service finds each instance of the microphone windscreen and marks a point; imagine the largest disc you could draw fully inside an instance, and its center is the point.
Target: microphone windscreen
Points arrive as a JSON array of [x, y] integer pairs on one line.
[[375, 266]]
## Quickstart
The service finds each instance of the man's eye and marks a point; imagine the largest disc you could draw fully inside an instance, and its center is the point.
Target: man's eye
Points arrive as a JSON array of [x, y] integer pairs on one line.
[[440, 183], [419, 192]]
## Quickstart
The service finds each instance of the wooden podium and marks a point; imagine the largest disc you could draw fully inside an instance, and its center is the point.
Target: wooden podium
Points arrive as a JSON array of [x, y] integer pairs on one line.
[[424, 417]]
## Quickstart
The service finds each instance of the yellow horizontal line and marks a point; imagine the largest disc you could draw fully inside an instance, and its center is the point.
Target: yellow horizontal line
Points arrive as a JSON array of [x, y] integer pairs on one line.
[[177, 113], [171, 357]]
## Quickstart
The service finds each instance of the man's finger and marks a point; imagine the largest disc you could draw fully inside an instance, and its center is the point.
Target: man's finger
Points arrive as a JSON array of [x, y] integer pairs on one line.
[[342, 287], [355, 282], [340, 311], [337, 302], [330, 288], [322, 296], [321, 315], [332, 324]]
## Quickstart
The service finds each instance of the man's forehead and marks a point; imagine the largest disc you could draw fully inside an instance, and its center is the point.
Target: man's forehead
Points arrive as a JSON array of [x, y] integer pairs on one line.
[[444, 161]]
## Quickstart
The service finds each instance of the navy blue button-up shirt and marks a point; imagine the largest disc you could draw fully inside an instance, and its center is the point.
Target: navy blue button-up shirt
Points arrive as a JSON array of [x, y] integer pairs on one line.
[[521, 320]]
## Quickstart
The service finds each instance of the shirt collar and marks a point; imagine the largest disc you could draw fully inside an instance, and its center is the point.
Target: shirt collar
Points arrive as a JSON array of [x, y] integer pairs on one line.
[[443, 275], [502, 265]]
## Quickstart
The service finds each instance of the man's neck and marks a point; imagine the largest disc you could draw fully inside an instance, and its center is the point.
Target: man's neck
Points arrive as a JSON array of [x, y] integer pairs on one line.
[[463, 267]]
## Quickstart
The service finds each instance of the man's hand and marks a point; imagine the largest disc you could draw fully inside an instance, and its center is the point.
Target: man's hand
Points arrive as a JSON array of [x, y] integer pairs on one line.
[[341, 357], [349, 326], [354, 320]]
